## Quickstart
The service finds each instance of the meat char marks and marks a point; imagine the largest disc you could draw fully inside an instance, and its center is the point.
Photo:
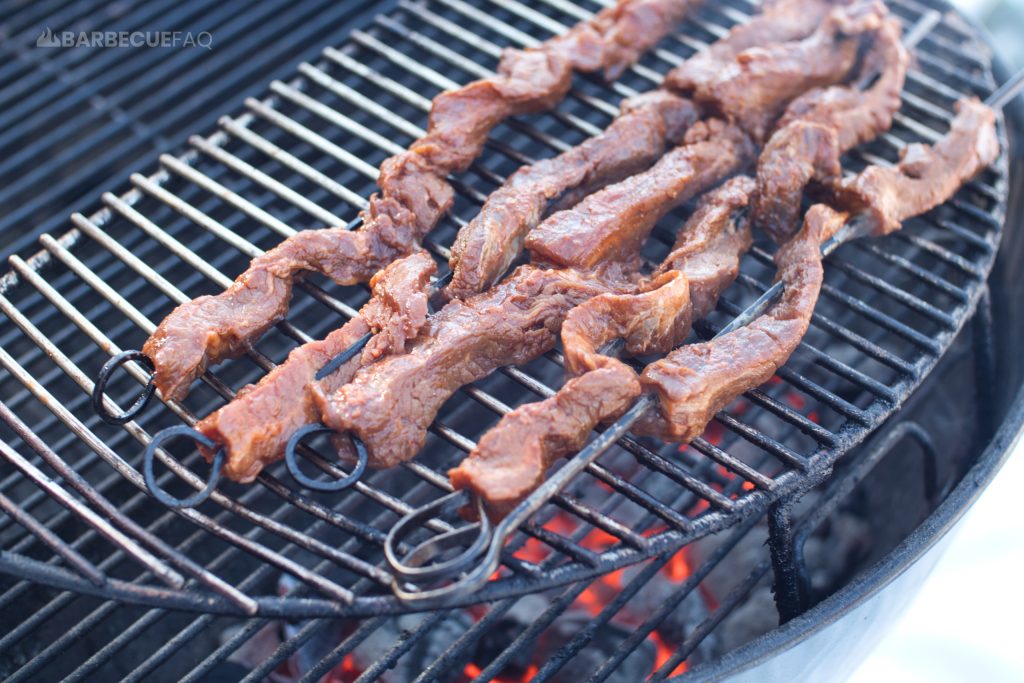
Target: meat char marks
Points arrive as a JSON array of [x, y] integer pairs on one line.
[[487, 245], [754, 87], [511, 459], [822, 124], [414, 190], [254, 428]]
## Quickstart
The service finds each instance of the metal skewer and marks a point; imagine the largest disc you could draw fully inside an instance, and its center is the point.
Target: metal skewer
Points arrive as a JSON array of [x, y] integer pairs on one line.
[[357, 346]]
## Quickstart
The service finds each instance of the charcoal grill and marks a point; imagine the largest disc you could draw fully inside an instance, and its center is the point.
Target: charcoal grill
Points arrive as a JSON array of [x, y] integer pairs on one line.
[[305, 155]]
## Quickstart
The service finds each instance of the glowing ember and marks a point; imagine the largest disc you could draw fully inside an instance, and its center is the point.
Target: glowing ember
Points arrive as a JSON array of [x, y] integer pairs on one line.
[[677, 570], [663, 654], [346, 672]]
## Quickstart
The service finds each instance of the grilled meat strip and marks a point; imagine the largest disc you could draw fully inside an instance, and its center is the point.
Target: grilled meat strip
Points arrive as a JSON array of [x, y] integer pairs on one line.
[[613, 223], [618, 36], [755, 87], [488, 244], [820, 125], [697, 380], [254, 428], [510, 460], [926, 176], [414, 190], [390, 404], [780, 21]]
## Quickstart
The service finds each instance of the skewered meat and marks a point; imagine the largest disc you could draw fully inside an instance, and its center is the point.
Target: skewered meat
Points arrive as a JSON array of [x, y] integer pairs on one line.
[[697, 380], [820, 125], [926, 176], [254, 428], [510, 460], [618, 36], [613, 223], [414, 190], [488, 244], [390, 404], [793, 156], [780, 21], [755, 87]]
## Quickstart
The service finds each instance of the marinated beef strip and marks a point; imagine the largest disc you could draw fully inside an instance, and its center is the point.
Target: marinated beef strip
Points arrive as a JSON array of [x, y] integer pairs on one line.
[[613, 223], [697, 380], [926, 175], [485, 247], [754, 89], [822, 124], [390, 404], [780, 21], [510, 460], [414, 190], [254, 428]]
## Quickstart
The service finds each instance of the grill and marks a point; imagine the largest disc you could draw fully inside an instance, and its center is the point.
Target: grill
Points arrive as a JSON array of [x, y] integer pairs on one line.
[[305, 155]]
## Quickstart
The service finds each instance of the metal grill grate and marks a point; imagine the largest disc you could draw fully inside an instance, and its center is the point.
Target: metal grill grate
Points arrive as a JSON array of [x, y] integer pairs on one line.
[[306, 156], [125, 103]]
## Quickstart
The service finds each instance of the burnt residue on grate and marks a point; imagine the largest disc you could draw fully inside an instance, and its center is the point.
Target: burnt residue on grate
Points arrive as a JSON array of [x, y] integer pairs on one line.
[[305, 155]]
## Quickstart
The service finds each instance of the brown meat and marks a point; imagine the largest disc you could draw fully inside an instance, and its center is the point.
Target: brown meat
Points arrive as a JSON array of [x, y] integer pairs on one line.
[[861, 110], [780, 21], [793, 156], [820, 125], [696, 381], [510, 461], [390, 404], [414, 191], [488, 244], [926, 176], [619, 35], [613, 223], [254, 428], [755, 87]]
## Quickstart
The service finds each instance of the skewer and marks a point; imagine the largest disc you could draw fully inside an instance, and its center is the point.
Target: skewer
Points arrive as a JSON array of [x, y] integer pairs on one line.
[[357, 346], [480, 567]]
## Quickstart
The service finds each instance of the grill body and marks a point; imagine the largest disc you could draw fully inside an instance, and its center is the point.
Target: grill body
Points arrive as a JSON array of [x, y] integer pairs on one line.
[[305, 156]]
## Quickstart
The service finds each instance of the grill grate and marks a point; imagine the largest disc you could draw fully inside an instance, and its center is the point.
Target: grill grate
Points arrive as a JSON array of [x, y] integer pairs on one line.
[[123, 110], [305, 156]]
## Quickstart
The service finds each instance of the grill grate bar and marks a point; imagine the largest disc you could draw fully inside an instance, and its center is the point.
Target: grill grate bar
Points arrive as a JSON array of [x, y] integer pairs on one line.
[[74, 560]]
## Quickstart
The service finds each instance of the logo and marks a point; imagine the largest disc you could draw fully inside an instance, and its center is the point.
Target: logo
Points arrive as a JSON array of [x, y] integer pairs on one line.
[[47, 39]]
